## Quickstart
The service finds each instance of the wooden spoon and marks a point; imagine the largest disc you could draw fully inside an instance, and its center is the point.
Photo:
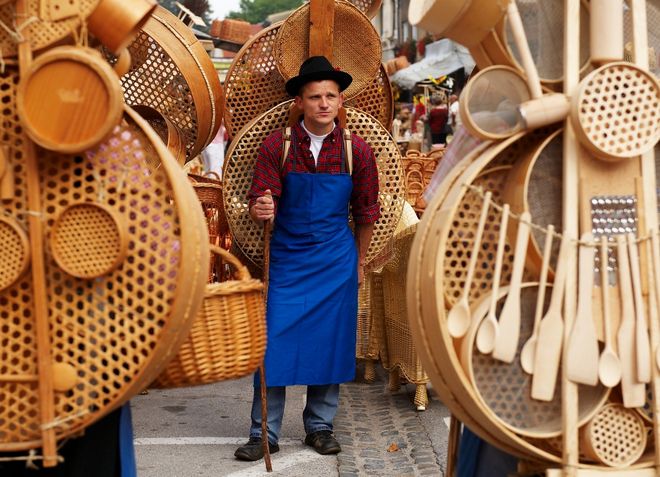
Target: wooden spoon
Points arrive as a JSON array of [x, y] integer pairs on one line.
[[582, 352], [642, 346], [633, 392], [529, 348], [653, 304], [487, 333], [509, 324], [609, 366], [458, 320], [551, 332]]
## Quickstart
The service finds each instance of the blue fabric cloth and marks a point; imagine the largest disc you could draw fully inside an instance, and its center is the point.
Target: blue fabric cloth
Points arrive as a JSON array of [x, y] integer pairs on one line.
[[477, 458], [319, 412], [126, 448], [312, 294]]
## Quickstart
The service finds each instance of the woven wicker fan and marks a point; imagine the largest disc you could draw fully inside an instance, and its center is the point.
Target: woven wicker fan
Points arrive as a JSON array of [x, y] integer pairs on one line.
[[242, 155], [171, 72], [107, 337]]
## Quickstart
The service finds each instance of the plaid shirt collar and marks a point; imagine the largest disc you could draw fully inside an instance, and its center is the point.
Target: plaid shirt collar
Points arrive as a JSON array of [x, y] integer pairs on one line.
[[299, 131]]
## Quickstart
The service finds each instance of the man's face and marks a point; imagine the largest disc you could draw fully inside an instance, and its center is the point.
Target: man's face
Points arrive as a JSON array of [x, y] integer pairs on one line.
[[320, 102]]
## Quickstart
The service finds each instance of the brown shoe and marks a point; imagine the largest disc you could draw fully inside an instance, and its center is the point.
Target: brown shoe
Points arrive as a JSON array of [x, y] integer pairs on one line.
[[323, 442], [253, 450]]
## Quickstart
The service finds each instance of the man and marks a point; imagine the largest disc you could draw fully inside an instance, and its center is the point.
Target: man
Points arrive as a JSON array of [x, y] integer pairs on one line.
[[315, 261], [438, 115]]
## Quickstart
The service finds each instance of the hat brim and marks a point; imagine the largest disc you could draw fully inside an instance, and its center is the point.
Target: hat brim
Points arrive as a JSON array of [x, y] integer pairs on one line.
[[341, 78]]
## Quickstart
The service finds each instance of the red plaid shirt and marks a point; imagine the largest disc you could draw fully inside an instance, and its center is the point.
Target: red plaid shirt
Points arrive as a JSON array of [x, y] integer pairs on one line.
[[269, 175]]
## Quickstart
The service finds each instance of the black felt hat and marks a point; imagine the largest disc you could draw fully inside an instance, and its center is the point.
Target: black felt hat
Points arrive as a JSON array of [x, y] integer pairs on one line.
[[317, 68]]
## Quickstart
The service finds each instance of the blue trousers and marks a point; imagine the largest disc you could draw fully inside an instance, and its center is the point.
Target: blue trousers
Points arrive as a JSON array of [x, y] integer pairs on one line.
[[319, 412]]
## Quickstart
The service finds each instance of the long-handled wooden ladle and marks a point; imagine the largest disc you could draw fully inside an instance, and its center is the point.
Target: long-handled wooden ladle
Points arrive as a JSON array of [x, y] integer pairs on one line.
[[642, 345], [487, 333], [529, 348], [655, 267], [609, 365], [458, 320]]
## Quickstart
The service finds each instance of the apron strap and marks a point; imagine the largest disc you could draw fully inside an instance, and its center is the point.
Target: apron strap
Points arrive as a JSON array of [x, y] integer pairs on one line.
[[348, 143], [286, 146]]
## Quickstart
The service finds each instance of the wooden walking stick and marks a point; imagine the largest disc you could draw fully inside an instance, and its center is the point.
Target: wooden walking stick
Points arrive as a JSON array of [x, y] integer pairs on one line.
[[262, 370]]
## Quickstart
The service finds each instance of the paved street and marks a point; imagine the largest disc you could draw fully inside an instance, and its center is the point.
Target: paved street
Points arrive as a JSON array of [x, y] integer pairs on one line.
[[194, 432]]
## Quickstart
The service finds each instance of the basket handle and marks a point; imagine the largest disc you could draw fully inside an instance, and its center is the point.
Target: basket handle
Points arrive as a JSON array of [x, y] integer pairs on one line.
[[243, 272]]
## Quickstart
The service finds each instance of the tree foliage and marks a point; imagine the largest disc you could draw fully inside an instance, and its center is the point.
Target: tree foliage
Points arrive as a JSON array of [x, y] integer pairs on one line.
[[256, 11]]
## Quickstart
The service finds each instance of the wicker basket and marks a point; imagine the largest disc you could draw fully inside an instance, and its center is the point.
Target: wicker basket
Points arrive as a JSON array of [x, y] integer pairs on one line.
[[232, 31], [228, 336]]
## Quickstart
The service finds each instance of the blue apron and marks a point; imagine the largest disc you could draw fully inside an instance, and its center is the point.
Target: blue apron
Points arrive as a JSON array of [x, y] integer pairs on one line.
[[312, 292]]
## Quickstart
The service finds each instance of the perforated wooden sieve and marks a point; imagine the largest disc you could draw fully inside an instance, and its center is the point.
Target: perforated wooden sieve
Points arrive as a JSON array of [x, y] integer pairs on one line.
[[616, 111], [356, 49], [171, 72], [242, 154], [166, 130], [368, 7]]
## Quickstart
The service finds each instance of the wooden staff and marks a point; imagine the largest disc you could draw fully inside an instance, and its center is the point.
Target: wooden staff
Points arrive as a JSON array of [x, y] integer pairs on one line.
[[262, 370]]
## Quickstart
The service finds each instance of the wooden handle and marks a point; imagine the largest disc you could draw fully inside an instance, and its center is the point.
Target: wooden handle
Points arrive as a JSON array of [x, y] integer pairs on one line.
[[642, 349], [321, 28], [241, 270], [477, 242], [499, 256], [543, 277], [604, 284], [520, 39], [606, 31]]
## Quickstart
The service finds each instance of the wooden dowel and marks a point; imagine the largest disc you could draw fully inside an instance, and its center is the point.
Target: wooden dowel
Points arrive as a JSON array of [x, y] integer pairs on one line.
[[262, 368], [520, 39], [18, 378]]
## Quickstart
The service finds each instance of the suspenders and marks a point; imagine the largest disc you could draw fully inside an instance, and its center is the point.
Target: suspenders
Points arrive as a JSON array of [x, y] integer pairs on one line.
[[348, 148]]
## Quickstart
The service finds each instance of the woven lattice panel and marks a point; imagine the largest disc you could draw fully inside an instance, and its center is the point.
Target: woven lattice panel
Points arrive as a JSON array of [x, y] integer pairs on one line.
[[109, 336], [544, 28], [506, 389], [368, 7], [653, 29], [376, 99], [242, 154], [618, 110], [616, 436], [253, 84], [41, 31], [171, 72], [14, 253], [356, 45]]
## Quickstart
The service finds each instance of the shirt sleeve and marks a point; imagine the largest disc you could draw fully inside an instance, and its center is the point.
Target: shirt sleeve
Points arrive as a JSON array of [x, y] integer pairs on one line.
[[364, 199], [267, 169]]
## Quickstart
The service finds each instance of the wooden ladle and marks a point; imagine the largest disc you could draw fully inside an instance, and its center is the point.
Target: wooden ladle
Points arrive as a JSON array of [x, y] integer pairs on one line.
[[529, 348], [458, 320], [609, 365], [487, 333]]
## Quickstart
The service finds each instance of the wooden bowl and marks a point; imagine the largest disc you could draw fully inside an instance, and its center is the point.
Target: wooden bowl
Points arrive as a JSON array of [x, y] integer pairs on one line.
[[116, 22], [69, 100]]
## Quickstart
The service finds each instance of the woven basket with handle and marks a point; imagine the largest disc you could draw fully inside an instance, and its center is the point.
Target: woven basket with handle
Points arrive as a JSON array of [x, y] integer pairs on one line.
[[228, 336]]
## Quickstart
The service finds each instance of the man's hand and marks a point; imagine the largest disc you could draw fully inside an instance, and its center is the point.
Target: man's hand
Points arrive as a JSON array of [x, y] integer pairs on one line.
[[263, 208]]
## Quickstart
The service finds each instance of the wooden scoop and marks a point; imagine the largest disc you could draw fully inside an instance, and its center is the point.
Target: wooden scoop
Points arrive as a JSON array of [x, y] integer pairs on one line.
[[609, 365], [529, 349], [582, 353], [642, 346], [551, 332], [487, 334], [653, 303], [633, 392], [458, 320], [509, 324]]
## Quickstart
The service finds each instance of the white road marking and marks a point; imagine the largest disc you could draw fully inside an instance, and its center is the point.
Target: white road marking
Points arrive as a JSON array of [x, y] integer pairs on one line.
[[280, 463], [203, 441]]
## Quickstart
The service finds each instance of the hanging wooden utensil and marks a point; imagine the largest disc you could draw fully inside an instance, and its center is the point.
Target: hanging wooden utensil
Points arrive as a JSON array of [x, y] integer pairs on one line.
[[642, 346], [116, 22], [487, 334], [606, 31], [69, 99], [609, 365], [528, 352], [458, 319], [508, 326], [582, 361]]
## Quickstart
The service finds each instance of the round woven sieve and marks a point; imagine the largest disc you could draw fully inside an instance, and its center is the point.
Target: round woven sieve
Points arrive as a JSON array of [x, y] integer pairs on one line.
[[239, 166], [356, 45], [616, 436], [253, 84], [117, 331], [171, 72], [89, 240], [616, 112], [14, 253], [505, 388], [376, 100], [44, 31]]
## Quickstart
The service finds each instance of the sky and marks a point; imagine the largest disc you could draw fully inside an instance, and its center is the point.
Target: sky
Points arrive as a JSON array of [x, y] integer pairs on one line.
[[220, 8]]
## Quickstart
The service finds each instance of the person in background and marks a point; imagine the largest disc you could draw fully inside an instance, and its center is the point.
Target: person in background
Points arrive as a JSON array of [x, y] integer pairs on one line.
[[438, 115], [316, 262], [454, 116]]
